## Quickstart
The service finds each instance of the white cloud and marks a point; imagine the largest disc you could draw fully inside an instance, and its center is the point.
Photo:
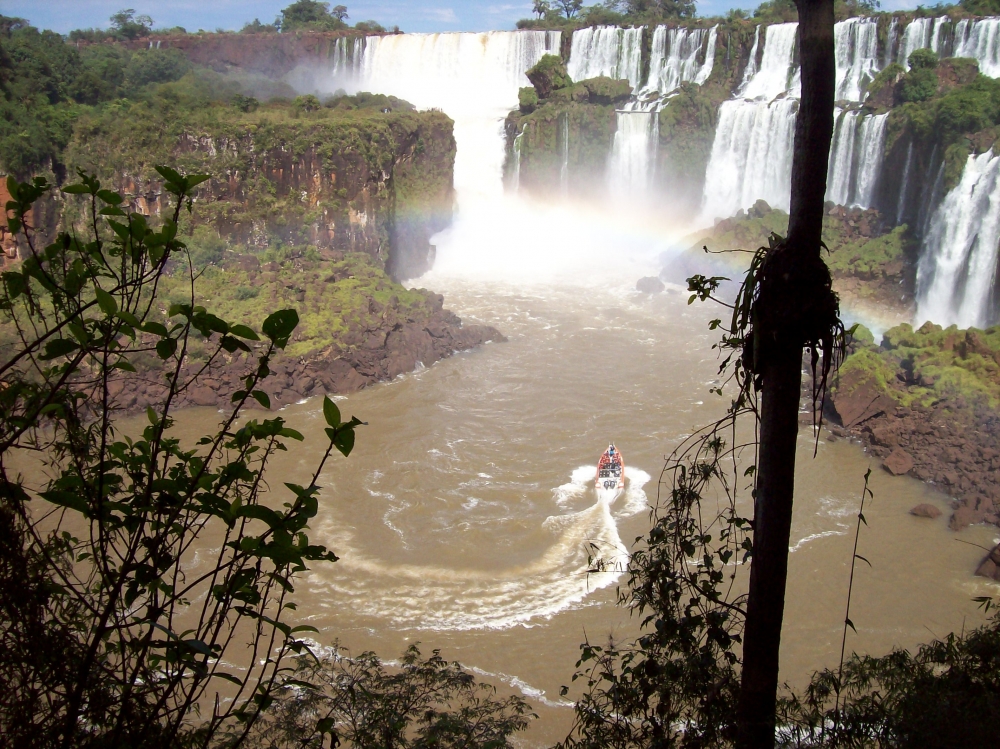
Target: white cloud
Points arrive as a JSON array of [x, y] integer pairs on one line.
[[442, 15]]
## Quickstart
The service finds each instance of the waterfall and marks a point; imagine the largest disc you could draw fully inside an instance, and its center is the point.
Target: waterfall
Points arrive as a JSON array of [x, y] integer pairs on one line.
[[936, 41], [515, 176], [474, 78], [855, 157], [838, 185], [856, 45], [958, 262], [751, 157], [916, 35], [347, 61], [563, 145], [980, 40], [777, 73], [890, 42], [674, 57], [606, 50], [904, 184], [751, 69], [870, 151], [633, 153]]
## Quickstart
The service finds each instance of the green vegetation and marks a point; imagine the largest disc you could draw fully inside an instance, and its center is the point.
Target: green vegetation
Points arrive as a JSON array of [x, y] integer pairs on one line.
[[555, 109], [331, 291], [947, 694], [92, 588], [311, 15], [46, 85], [923, 366], [419, 703], [870, 264]]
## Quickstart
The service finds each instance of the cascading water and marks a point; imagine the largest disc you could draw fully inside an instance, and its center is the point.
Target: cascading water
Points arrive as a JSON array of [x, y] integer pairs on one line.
[[633, 154], [606, 50], [474, 78], [855, 157], [856, 45], [980, 40], [870, 150], [890, 42], [916, 35], [515, 177], [674, 57], [958, 262], [752, 151], [777, 74]]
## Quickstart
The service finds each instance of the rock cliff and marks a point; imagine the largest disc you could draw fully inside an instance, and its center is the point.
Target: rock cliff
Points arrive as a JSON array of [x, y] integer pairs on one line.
[[365, 175]]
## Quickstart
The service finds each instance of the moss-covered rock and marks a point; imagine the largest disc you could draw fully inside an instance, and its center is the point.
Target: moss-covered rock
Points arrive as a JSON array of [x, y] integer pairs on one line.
[[549, 74], [604, 90], [527, 99]]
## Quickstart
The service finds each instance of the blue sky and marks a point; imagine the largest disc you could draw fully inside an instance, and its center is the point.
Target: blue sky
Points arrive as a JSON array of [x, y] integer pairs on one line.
[[428, 15]]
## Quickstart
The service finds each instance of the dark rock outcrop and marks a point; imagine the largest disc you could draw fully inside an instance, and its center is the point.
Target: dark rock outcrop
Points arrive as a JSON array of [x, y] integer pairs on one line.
[[385, 353], [649, 285]]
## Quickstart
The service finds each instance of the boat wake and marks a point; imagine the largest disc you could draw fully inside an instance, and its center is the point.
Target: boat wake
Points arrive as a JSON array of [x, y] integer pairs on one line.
[[436, 597]]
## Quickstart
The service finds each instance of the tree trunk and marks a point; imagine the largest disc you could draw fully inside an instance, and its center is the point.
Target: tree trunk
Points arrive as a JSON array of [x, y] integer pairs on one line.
[[781, 374]]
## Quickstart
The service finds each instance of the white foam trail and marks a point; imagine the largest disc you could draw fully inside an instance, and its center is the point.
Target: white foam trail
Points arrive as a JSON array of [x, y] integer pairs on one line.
[[522, 686], [434, 597]]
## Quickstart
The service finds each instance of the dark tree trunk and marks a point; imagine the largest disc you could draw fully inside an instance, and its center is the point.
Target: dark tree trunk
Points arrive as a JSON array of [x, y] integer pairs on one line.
[[790, 276]]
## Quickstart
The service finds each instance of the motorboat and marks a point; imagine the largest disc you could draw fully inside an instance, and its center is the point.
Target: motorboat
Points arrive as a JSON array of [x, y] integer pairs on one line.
[[611, 473]]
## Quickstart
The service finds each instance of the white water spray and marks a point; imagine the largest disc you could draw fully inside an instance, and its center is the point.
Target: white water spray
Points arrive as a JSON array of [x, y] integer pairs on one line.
[[674, 57]]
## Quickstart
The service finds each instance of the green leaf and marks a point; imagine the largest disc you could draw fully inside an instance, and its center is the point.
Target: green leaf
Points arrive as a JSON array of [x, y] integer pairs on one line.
[[861, 517], [127, 317], [850, 624], [280, 325], [244, 332], [166, 347], [193, 180], [76, 190], [304, 628], [169, 174], [261, 397], [330, 412], [227, 677], [124, 364], [155, 328], [858, 556], [151, 415], [106, 302], [111, 210], [344, 441], [109, 197], [59, 347]]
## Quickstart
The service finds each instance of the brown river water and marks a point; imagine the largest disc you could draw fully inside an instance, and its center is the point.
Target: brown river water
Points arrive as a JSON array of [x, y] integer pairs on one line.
[[464, 516]]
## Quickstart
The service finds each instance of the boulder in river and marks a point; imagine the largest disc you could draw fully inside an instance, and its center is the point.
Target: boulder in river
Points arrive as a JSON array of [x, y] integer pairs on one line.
[[990, 566], [899, 462], [650, 285], [926, 511]]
